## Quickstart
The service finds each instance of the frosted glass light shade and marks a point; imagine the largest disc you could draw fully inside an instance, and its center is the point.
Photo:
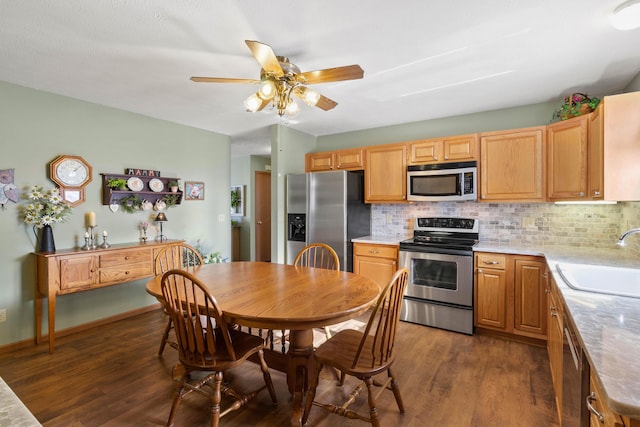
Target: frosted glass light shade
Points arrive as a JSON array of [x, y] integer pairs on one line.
[[627, 16], [253, 102]]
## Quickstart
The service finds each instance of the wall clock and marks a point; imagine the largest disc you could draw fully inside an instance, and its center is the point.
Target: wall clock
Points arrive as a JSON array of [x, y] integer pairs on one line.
[[72, 174]]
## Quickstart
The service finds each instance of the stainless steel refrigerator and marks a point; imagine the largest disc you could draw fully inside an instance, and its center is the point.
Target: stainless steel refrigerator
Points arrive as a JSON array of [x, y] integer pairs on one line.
[[334, 212]]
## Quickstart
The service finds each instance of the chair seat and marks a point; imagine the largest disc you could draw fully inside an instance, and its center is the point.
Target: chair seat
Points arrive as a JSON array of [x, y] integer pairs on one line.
[[340, 352], [244, 345]]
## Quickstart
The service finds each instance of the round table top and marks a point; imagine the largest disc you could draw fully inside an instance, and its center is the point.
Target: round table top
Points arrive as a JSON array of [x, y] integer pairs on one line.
[[280, 296]]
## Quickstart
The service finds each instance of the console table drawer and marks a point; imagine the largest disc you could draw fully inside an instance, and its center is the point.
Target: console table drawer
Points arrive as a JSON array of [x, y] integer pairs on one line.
[[126, 257], [126, 273]]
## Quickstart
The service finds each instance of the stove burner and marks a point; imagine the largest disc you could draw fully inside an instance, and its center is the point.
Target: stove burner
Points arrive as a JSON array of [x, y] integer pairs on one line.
[[446, 233]]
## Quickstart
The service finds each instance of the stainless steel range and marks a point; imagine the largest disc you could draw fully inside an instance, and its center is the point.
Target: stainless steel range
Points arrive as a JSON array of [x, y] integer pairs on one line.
[[440, 263]]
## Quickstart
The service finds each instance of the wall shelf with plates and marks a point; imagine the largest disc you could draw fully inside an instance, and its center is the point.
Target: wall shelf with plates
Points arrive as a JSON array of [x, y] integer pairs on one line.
[[137, 190]]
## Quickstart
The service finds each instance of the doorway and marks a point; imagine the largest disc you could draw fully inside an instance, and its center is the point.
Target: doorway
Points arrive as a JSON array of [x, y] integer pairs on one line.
[[263, 215]]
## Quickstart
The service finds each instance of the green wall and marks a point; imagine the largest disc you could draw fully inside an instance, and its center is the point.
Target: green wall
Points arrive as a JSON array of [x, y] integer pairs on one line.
[[508, 118], [35, 128]]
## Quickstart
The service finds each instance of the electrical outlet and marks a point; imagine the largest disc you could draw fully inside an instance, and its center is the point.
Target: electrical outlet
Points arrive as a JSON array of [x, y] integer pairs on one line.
[[221, 217], [3, 315]]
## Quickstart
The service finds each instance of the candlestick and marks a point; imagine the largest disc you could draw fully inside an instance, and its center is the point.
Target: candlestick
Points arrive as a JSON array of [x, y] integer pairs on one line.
[[87, 245], [104, 233], [90, 219], [92, 238], [104, 244]]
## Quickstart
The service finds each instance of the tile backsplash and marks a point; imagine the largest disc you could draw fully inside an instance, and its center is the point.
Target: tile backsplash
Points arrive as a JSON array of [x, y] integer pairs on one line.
[[522, 223]]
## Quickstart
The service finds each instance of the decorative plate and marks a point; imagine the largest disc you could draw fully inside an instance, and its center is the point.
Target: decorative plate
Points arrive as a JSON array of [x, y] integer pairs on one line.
[[135, 184], [156, 185]]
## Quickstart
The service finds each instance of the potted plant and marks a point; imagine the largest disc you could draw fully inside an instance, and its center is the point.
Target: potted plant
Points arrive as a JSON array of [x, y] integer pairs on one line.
[[575, 105], [173, 185], [117, 184]]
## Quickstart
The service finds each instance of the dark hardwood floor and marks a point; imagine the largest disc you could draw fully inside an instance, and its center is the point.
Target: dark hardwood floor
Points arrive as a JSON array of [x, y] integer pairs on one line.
[[111, 376]]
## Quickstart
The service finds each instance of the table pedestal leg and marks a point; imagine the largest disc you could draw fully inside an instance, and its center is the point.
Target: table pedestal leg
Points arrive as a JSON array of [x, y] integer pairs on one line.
[[301, 367]]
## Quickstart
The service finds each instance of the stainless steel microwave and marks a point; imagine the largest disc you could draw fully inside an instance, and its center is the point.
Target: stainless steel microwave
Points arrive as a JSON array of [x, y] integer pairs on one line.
[[442, 182]]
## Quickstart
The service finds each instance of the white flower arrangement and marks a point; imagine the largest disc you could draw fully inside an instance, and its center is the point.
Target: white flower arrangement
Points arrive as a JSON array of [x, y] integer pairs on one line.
[[45, 207]]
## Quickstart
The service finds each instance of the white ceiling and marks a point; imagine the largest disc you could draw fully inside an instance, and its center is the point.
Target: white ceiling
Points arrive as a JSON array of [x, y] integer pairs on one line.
[[422, 59]]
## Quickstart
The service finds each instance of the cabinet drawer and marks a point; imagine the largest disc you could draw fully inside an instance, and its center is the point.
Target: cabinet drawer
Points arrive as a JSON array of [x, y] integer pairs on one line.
[[127, 257], [378, 251], [497, 261], [126, 273]]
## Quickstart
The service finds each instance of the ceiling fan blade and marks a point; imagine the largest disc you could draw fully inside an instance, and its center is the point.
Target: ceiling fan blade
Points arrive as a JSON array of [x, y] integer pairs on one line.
[[349, 72], [325, 103], [265, 56], [265, 102], [222, 80]]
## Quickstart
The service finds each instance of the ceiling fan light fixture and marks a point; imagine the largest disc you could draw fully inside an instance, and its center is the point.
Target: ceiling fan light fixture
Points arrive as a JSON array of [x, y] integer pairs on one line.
[[626, 16], [309, 96], [253, 102], [267, 90], [292, 109]]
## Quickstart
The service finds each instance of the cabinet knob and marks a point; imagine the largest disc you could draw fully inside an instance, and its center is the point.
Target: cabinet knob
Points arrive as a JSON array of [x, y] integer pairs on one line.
[[582, 194], [126, 272], [126, 258], [435, 157], [479, 271], [446, 157], [596, 193]]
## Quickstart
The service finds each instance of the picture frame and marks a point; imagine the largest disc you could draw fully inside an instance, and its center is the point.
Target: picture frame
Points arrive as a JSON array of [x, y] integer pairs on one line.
[[194, 190], [237, 200]]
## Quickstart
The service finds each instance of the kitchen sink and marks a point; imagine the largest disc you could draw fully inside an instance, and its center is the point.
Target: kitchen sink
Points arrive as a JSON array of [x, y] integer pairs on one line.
[[601, 279]]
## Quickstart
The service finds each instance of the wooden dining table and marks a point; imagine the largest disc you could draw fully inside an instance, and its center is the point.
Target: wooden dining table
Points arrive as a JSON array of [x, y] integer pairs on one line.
[[283, 297]]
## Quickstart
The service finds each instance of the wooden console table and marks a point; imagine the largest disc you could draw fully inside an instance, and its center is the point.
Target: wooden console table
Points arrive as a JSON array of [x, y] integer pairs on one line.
[[75, 270]]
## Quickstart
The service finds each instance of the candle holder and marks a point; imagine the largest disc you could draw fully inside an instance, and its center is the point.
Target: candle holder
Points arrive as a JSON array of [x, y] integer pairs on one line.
[[87, 245], [104, 244], [92, 240]]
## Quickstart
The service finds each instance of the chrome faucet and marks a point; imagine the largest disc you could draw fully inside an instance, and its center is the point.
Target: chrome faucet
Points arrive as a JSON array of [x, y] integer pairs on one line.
[[625, 234]]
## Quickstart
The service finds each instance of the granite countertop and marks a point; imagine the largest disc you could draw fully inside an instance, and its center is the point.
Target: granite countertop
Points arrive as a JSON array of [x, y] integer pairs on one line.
[[383, 239], [608, 326]]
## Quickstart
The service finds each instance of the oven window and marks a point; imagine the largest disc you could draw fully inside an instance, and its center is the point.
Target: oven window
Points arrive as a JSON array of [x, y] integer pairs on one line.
[[434, 273], [435, 185]]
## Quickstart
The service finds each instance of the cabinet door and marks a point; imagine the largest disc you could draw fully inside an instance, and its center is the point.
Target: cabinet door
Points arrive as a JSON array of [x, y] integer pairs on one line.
[[530, 302], [78, 272], [385, 173], [567, 159], [462, 147], [512, 165], [554, 346], [350, 159], [596, 154], [491, 298], [317, 162], [380, 270], [425, 151]]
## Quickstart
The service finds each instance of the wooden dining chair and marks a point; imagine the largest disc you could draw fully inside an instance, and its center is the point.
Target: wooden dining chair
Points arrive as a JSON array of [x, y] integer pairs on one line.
[[364, 354], [206, 343], [318, 255], [180, 255]]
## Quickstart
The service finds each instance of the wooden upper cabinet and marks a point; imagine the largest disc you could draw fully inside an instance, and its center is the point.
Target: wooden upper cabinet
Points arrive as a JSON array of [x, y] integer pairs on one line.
[[512, 165], [596, 154], [317, 162], [442, 150], [567, 149], [352, 159], [385, 173], [349, 159], [621, 132]]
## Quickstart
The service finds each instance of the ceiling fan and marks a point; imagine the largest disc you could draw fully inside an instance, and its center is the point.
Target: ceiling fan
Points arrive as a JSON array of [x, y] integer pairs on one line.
[[281, 81]]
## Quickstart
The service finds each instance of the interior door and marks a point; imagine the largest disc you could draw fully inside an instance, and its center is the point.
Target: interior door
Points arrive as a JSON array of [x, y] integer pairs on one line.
[[263, 216]]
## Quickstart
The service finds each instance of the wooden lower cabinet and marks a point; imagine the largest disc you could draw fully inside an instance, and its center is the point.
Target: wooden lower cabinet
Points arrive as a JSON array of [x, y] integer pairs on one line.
[[376, 261], [600, 415], [70, 271], [509, 294]]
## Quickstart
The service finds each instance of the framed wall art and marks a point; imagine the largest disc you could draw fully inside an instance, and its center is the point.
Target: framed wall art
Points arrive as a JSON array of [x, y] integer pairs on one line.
[[237, 200], [193, 190]]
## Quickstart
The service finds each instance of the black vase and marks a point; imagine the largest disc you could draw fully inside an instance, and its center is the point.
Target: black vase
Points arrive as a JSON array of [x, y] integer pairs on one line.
[[46, 240]]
